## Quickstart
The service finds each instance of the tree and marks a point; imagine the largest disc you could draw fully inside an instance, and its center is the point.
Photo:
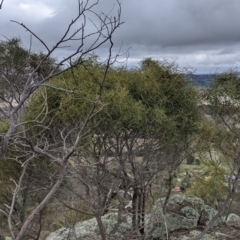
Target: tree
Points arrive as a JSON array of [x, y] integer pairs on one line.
[[33, 73], [210, 185], [17, 64], [223, 103], [147, 125], [148, 128]]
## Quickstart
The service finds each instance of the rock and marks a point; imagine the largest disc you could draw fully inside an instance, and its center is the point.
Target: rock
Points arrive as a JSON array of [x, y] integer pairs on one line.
[[184, 212], [233, 218], [88, 229], [194, 233], [60, 234]]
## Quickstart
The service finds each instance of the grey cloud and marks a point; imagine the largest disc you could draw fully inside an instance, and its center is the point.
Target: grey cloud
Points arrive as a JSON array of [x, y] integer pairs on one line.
[[181, 23], [204, 34]]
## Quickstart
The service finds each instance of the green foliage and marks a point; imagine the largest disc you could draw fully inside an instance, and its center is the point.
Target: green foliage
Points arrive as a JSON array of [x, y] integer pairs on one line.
[[206, 135], [185, 182], [192, 169], [11, 54], [174, 182], [153, 102], [39, 176], [12, 50], [9, 172], [168, 98], [69, 217], [210, 185], [17, 63], [223, 96], [153, 99], [4, 125]]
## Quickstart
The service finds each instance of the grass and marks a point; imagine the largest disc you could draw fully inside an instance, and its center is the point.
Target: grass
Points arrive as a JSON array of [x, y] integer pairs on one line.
[[191, 169]]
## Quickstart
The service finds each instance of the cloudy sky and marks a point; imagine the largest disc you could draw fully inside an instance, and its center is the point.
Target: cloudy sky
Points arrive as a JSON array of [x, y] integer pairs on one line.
[[203, 35]]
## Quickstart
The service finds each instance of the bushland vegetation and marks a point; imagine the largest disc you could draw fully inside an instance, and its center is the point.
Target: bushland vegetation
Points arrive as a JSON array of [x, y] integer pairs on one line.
[[39, 167], [147, 122], [81, 137]]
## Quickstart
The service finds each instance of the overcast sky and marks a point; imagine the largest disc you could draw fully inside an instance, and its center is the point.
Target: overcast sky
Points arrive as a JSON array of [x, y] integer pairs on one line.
[[201, 34]]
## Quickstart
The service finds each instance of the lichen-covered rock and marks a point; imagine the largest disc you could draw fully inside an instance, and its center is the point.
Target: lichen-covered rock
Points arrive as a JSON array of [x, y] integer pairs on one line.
[[183, 212], [194, 233], [89, 230], [233, 218]]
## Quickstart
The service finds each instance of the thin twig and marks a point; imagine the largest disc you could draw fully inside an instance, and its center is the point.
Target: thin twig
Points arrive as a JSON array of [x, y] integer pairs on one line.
[[1, 4]]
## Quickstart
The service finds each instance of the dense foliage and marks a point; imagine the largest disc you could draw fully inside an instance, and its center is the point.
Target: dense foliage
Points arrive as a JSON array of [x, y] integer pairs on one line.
[[16, 65], [153, 99], [145, 122]]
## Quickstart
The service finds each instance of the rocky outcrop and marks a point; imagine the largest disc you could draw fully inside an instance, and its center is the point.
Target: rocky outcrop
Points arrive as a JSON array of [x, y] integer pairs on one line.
[[183, 212], [88, 229], [233, 218], [194, 233]]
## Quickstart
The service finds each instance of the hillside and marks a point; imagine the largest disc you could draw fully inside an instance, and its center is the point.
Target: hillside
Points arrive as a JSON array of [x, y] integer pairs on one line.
[[202, 80]]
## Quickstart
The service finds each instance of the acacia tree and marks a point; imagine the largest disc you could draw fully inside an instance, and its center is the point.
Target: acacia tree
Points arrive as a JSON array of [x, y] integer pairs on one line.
[[223, 97], [16, 137], [146, 127], [159, 118]]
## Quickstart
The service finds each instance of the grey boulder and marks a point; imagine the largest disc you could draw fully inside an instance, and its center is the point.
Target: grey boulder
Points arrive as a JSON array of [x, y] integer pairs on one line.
[[183, 212]]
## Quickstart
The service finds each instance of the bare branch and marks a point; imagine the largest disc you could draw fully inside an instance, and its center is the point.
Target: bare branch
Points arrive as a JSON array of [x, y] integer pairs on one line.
[[41, 205], [29, 89], [1, 4], [32, 33], [15, 194], [28, 149]]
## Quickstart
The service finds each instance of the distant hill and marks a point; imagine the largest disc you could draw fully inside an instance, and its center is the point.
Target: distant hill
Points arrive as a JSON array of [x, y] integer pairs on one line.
[[202, 80]]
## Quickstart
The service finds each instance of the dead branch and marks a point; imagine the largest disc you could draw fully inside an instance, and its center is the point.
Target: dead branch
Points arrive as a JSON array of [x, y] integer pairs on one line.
[[61, 149], [1, 4]]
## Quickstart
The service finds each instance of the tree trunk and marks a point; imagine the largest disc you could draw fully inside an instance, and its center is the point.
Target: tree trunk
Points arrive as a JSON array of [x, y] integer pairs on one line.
[[135, 210], [142, 225], [101, 227], [38, 209]]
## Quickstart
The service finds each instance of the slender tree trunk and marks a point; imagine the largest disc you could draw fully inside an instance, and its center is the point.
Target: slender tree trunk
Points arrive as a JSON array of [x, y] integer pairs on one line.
[[139, 211], [23, 207], [143, 213], [41, 205], [168, 194], [228, 210], [101, 227], [135, 210]]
